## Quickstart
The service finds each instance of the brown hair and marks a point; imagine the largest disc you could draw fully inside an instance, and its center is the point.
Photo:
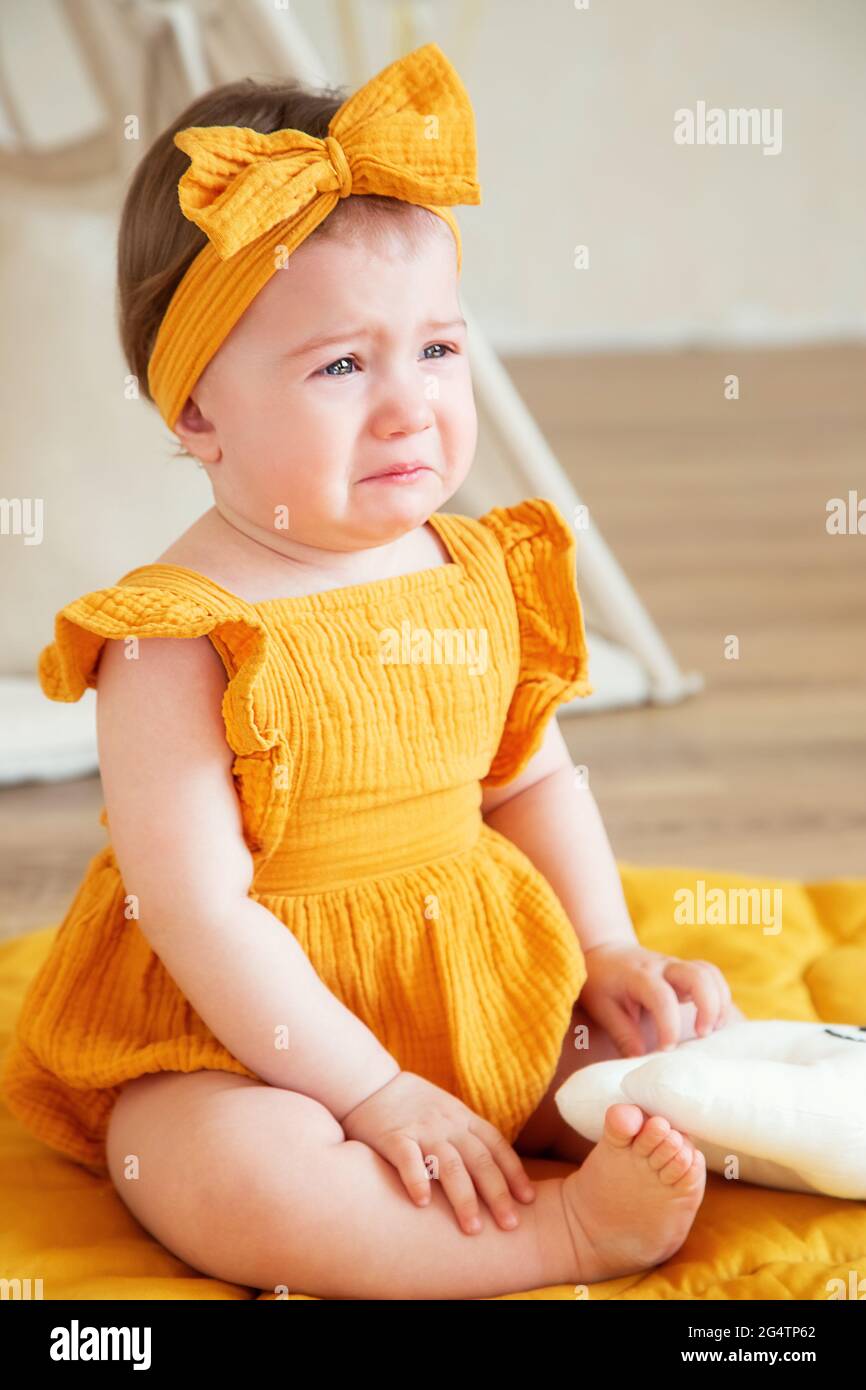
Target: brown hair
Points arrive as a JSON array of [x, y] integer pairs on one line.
[[156, 244]]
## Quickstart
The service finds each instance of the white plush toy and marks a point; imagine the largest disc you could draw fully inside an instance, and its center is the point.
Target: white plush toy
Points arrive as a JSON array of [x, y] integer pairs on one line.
[[786, 1100]]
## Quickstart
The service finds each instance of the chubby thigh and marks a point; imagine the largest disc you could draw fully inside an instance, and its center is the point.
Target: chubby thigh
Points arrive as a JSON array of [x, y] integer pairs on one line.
[[221, 1170]]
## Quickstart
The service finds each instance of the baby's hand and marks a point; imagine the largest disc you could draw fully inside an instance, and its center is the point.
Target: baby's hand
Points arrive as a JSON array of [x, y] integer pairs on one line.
[[623, 979], [412, 1122]]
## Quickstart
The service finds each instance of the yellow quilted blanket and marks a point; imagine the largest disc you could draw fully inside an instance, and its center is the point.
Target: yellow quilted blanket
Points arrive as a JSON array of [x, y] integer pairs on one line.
[[69, 1228]]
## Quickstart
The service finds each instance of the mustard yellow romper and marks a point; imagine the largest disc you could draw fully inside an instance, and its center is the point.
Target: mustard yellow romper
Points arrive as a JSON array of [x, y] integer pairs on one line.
[[365, 722]]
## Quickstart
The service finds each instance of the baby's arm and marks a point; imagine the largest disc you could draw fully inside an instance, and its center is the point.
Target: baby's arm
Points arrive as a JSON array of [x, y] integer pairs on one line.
[[176, 829], [558, 825]]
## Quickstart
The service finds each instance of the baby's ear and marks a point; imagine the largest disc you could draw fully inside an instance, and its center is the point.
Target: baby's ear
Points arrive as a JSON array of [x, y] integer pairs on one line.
[[197, 435]]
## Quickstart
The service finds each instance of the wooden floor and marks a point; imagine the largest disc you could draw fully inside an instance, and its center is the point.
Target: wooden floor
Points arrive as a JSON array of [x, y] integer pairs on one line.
[[716, 510]]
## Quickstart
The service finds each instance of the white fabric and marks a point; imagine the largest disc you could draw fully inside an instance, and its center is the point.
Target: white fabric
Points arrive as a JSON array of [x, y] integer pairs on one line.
[[787, 1100], [42, 740]]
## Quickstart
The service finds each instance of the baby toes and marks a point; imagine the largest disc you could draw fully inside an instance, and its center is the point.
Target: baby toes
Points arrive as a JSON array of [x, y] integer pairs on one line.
[[651, 1135], [669, 1147], [679, 1165]]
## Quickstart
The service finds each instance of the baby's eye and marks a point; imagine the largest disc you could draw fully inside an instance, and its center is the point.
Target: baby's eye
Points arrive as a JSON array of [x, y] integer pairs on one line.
[[326, 371], [440, 345]]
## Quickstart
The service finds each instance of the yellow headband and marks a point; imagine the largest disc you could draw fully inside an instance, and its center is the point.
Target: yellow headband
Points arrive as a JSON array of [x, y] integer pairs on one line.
[[408, 133]]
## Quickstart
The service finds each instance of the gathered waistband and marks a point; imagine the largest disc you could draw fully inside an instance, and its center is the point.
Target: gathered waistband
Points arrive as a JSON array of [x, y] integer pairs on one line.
[[324, 848]]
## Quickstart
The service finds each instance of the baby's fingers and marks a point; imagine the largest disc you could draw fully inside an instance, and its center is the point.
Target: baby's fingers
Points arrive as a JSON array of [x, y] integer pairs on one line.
[[727, 999], [713, 1014], [457, 1186], [509, 1161], [489, 1179], [405, 1155], [698, 981]]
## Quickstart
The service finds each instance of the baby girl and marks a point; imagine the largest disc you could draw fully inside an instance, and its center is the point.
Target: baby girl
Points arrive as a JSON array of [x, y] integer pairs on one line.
[[310, 1007]]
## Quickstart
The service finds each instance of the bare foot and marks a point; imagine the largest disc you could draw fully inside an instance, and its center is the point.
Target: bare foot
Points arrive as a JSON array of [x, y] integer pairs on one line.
[[632, 1202]]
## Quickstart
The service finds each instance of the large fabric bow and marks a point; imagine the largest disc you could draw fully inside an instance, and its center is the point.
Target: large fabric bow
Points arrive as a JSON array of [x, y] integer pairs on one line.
[[409, 133]]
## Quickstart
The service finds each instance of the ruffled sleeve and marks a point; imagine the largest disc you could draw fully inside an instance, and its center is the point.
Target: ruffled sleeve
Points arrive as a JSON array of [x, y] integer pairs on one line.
[[69, 665], [539, 551]]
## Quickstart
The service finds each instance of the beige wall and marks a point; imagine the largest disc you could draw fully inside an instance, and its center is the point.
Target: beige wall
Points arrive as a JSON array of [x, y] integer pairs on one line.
[[575, 117], [705, 245]]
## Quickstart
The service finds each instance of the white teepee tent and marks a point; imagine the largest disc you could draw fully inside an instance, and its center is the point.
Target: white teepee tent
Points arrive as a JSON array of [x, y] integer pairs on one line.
[[58, 222]]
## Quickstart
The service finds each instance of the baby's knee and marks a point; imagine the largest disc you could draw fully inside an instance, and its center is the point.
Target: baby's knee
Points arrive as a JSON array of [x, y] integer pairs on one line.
[[233, 1175]]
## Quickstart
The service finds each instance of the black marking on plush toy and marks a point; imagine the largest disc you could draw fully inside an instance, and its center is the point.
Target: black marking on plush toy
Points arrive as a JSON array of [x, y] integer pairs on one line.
[[861, 1029]]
